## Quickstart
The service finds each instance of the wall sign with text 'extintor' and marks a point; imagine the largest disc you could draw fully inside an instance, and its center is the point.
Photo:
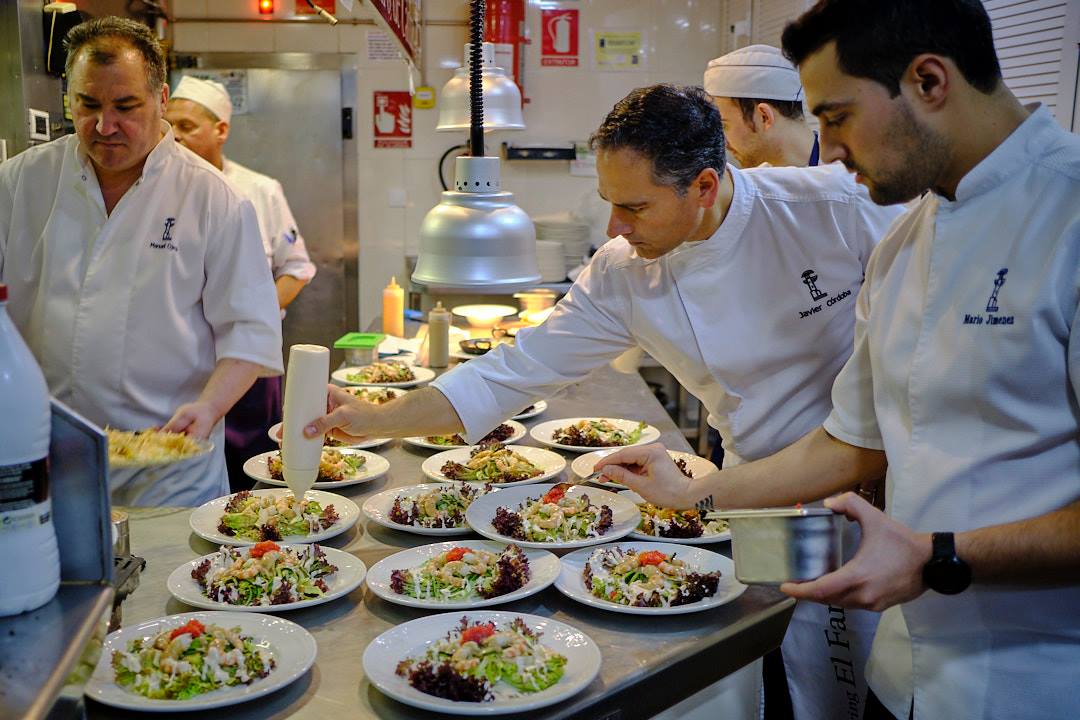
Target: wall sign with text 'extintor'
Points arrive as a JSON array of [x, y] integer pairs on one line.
[[392, 118], [559, 47]]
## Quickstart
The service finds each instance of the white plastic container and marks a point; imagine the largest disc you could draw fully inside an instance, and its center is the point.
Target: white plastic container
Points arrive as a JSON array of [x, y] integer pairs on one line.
[[438, 336], [305, 400], [30, 572]]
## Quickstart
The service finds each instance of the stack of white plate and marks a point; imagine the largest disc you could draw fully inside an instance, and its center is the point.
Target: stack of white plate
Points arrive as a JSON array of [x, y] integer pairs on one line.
[[564, 228], [549, 256]]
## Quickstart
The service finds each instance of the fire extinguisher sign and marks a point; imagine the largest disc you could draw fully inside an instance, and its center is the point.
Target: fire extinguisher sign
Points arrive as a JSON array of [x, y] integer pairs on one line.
[[392, 119], [559, 28]]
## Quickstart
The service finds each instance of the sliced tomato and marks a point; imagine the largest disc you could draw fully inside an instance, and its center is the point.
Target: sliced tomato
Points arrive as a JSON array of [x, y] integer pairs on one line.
[[555, 494], [478, 633], [651, 557], [194, 628], [456, 553], [261, 548]]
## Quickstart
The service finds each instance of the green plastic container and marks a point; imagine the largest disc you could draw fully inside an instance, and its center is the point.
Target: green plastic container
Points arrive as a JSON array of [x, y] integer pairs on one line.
[[360, 348]]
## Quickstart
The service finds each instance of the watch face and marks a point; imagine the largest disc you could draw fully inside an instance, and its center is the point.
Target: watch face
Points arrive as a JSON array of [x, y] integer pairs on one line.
[[947, 576]]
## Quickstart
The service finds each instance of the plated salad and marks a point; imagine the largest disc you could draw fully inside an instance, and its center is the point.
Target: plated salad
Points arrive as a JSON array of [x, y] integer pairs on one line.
[[494, 463], [383, 372], [464, 573], [189, 660], [597, 433], [498, 435], [269, 517], [443, 507], [668, 523], [646, 579], [334, 466], [265, 574], [375, 396], [474, 659], [555, 517]]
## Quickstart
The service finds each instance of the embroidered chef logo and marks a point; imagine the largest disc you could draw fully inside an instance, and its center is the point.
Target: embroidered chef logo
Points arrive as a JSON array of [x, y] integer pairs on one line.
[[809, 279], [166, 242], [992, 309], [290, 237]]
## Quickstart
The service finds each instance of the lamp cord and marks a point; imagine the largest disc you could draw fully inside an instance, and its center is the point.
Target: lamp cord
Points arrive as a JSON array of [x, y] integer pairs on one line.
[[442, 178], [476, 83]]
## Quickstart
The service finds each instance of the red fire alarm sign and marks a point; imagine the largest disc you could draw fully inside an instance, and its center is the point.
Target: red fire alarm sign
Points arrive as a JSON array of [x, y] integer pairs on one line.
[[392, 118]]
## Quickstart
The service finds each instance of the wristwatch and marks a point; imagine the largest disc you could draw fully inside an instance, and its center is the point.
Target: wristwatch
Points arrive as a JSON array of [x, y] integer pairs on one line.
[[945, 572]]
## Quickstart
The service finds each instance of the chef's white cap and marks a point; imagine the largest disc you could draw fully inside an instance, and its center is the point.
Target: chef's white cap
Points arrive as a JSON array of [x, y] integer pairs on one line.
[[757, 71], [210, 94]]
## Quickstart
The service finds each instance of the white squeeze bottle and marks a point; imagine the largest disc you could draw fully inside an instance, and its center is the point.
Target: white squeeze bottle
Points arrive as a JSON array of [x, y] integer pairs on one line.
[[30, 570], [305, 400]]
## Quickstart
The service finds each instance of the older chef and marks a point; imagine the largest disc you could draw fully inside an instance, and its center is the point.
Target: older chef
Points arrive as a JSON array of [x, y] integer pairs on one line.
[[200, 112], [759, 95], [966, 371], [741, 283], [760, 98], [135, 270]]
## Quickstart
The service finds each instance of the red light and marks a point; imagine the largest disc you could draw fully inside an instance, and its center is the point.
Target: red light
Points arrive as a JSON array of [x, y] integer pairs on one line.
[[266, 7]]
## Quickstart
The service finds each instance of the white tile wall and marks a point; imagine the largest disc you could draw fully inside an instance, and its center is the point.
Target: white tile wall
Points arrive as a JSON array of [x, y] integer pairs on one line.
[[566, 104]]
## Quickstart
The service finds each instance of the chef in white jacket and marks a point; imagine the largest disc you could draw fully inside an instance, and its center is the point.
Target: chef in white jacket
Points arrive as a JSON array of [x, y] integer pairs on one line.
[[200, 112], [760, 98], [740, 283], [135, 272], [965, 378]]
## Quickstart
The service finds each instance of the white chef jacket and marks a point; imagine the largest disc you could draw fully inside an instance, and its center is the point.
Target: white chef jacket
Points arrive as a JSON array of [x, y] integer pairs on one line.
[[282, 241], [127, 313], [966, 371], [735, 318]]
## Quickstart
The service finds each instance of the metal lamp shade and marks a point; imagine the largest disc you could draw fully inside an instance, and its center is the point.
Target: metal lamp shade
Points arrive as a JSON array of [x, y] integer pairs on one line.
[[480, 242], [502, 99]]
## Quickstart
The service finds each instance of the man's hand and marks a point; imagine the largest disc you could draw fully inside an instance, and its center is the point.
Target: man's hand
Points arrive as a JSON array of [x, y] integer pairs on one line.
[[886, 570], [196, 419], [346, 417], [650, 472]]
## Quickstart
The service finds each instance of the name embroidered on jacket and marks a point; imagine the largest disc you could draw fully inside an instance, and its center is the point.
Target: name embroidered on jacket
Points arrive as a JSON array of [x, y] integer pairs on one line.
[[166, 242], [809, 279], [992, 306]]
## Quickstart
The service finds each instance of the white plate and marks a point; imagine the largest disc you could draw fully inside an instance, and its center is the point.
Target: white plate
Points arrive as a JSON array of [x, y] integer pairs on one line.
[[703, 540], [543, 569], [257, 468], [583, 465], [411, 639], [550, 462], [350, 573], [275, 434], [378, 506], [519, 432], [537, 407], [571, 583], [423, 375], [625, 515], [293, 648], [544, 432], [205, 518]]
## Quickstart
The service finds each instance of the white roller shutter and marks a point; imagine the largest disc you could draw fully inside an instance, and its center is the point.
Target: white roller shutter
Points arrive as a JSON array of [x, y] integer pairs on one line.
[[1036, 42], [770, 17]]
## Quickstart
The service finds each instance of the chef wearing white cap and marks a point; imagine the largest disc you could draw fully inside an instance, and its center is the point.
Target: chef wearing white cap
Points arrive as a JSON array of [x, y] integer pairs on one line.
[[134, 269], [200, 112], [760, 98]]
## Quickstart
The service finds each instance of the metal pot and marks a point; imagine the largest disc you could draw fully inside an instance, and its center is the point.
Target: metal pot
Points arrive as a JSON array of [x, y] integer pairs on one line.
[[777, 545]]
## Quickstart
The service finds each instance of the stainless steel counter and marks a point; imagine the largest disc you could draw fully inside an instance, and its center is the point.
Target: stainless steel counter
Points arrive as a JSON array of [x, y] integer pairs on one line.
[[649, 663]]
